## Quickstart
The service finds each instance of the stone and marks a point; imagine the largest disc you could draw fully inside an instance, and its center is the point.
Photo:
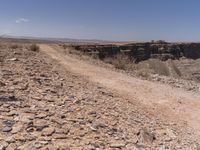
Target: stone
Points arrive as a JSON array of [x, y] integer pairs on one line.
[[27, 146], [146, 136], [131, 147], [41, 116], [38, 145], [45, 138], [60, 136], [11, 146], [30, 137], [48, 131], [13, 59], [26, 117], [170, 135], [13, 113], [43, 142], [2, 84], [58, 120], [17, 128], [93, 128], [2, 147], [19, 137], [40, 124], [10, 139], [37, 98], [30, 129], [8, 98], [6, 129], [62, 131], [91, 147], [117, 145]]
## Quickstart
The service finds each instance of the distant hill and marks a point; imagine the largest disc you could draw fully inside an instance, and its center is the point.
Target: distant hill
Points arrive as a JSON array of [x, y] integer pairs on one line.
[[62, 40]]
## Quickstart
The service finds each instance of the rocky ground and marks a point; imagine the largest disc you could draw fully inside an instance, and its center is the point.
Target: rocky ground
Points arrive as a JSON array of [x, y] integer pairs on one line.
[[42, 106]]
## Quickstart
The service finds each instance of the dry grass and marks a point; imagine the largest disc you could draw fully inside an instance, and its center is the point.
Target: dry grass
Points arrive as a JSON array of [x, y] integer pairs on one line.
[[175, 68], [65, 46], [159, 67], [142, 73], [34, 48], [2, 60], [4, 45], [120, 61], [15, 46]]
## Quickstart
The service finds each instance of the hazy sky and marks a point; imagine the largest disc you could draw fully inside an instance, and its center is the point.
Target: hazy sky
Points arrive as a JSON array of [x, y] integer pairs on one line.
[[102, 19]]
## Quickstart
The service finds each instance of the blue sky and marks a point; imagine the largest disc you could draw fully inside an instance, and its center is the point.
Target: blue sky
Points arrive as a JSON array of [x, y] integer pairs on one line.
[[133, 20]]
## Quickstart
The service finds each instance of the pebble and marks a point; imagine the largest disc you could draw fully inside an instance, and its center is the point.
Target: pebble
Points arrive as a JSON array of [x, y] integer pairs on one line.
[[11, 146], [2, 147], [60, 136], [17, 128], [10, 139], [13, 59], [48, 131], [6, 129], [117, 145], [2, 83]]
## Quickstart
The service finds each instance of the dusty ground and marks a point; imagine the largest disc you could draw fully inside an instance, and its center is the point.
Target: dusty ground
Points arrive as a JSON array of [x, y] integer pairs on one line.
[[49, 100]]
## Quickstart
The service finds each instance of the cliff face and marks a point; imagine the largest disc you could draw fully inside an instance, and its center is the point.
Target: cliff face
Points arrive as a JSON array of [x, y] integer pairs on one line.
[[144, 51]]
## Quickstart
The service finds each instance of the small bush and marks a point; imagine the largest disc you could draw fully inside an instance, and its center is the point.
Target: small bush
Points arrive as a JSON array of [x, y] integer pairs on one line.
[[175, 68], [14, 46], [159, 67], [64, 46], [2, 59], [121, 61], [34, 48], [142, 73]]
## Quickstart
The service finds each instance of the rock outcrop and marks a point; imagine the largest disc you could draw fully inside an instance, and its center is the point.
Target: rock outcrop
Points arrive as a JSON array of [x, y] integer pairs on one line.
[[144, 51]]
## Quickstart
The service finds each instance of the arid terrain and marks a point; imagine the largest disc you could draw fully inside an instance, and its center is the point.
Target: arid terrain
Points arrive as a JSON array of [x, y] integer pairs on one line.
[[54, 97]]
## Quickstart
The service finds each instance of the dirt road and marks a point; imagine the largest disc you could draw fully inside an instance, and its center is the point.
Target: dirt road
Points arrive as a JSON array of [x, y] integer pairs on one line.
[[162, 100]]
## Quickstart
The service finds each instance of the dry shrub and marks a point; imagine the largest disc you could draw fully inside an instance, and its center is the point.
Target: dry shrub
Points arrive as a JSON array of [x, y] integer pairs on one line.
[[74, 52], [159, 67], [2, 45], [14, 46], [2, 59], [142, 73], [121, 61], [108, 60], [175, 68], [65, 46], [34, 48], [94, 55]]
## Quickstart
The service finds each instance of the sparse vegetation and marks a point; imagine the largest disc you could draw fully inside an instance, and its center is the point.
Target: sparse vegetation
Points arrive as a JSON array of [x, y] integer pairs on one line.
[[159, 67], [64, 46], [34, 48], [121, 61], [142, 73], [175, 68], [14, 46], [2, 59]]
